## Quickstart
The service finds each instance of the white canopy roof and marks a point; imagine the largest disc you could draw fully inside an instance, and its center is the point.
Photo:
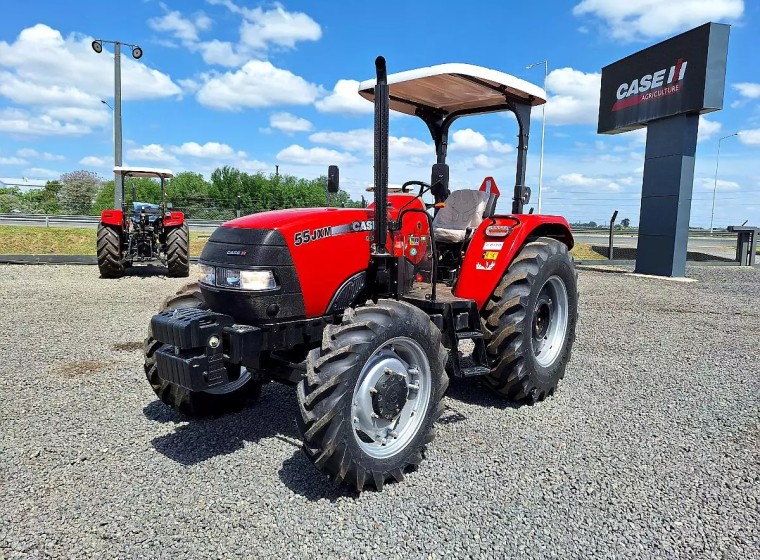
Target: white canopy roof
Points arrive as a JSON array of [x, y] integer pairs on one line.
[[454, 87], [143, 172]]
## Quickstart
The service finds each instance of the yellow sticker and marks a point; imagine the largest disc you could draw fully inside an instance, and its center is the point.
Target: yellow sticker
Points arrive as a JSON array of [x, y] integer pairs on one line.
[[490, 255]]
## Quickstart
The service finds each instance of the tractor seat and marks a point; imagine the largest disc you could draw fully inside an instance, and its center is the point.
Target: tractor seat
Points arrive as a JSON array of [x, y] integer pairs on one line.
[[464, 209]]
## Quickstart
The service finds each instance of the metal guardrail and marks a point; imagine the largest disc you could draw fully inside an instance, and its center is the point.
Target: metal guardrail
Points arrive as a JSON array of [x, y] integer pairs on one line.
[[62, 219]]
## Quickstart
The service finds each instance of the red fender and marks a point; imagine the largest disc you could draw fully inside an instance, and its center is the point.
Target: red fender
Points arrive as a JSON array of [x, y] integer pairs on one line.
[[173, 219], [112, 218], [488, 257]]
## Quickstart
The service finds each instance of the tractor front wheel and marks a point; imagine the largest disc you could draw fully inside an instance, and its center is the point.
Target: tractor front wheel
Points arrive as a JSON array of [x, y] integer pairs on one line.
[[109, 251], [178, 251], [372, 394], [529, 322], [229, 398]]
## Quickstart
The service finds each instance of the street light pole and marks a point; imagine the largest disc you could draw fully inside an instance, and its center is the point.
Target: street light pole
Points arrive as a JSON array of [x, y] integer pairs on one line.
[[118, 178], [137, 52], [543, 131], [715, 184]]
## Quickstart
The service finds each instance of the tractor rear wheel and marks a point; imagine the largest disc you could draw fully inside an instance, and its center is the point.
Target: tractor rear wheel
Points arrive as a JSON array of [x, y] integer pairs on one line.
[[228, 398], [109, 251], [529, 322], [178, 251], [372, 393]]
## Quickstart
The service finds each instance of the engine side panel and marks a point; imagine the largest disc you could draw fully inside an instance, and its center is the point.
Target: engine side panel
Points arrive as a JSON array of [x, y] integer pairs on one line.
[[488, 257]]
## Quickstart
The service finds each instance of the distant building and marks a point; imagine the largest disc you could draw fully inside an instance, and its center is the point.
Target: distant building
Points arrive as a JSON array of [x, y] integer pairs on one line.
[[24, 184]]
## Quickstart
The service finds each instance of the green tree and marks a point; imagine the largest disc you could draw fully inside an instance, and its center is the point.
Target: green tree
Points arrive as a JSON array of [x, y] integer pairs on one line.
[[625, 222], [12, 200], [44, 200], [78, 191]]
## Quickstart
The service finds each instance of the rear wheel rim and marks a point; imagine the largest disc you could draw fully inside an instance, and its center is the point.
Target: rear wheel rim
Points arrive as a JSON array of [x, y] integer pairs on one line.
[[378, 436], [550, 321], [232, 386]]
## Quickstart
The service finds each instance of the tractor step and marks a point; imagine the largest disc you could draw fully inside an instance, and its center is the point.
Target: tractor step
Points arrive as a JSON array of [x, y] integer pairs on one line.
[[475, 371], [467, 335]]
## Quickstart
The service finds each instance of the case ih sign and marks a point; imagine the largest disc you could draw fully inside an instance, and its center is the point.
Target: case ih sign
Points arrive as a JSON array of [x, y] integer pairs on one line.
[[685, 74]]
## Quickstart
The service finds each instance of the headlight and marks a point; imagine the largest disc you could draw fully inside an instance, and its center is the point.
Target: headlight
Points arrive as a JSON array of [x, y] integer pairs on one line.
[[207, 274], [254, 280]]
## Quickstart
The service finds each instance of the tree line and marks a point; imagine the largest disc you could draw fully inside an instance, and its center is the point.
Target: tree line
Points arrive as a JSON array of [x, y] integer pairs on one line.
[[227, 191]]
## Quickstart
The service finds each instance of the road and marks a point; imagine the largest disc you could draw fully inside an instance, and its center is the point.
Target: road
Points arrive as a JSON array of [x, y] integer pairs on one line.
[[719, 246], [79, 222]]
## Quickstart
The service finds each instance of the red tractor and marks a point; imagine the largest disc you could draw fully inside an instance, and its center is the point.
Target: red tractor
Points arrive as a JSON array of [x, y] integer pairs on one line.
[[144, 233], [366, 310]]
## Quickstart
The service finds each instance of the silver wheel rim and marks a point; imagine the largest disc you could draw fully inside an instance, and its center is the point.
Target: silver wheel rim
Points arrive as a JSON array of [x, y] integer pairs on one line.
[[232, 386], [550, 319], [377, 436]]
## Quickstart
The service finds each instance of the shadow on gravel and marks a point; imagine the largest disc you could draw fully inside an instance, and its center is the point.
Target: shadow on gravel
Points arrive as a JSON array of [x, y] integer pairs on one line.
[[196, 440], [145, 271], [471, 391], [298, 474]]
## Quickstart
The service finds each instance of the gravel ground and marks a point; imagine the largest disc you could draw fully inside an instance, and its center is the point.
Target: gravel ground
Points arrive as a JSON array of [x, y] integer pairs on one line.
[[648, 449]]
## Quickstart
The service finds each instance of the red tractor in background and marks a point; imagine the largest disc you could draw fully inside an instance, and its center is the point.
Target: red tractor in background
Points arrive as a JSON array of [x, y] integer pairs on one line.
[[144, 233], [368, 312]]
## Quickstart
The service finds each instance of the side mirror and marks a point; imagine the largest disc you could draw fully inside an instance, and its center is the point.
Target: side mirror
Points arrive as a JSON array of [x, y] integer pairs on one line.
[[333, 179], [439, 182]]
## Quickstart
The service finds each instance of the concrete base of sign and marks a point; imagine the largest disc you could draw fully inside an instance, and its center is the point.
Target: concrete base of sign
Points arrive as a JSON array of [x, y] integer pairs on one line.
[[666, 196]]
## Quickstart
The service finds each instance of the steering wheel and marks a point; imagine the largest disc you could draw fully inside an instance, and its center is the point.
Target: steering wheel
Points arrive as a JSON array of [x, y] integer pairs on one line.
[[422, 184]]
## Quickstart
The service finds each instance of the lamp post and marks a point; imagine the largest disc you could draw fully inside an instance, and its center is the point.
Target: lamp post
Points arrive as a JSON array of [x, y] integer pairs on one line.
[[715, 185], [543, 130], [137, 52]]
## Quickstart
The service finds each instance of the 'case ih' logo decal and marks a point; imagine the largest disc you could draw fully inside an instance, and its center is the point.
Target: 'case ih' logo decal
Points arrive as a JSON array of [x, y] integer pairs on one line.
[[237, 253], [651, 86]]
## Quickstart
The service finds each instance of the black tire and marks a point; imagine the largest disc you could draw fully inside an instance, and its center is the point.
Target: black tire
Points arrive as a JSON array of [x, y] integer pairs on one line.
[[325, 395], [178, 251], [508, 322], [190, 403], [109, 251]]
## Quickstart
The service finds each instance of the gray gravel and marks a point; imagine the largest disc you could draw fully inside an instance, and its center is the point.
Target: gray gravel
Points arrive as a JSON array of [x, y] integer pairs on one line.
[[649, 448]]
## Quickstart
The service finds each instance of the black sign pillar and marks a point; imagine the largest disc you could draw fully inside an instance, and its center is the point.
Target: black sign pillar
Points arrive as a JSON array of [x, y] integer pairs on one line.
[[665, 88], [666, 196]]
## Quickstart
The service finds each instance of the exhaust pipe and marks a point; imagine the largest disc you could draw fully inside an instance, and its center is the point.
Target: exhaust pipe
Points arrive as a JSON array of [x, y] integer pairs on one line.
[[381, 156]]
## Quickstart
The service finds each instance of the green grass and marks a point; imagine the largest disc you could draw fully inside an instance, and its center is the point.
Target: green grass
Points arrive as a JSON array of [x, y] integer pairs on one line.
[[32, 240], [583, 252]]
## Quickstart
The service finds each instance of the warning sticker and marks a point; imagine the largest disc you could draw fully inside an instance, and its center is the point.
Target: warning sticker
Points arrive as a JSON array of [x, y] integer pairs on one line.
[[493, 245], [488, 265], [490, 255]]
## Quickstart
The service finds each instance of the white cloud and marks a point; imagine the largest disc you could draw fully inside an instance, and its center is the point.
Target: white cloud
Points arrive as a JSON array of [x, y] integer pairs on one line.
[[64, 80], [580, 180], [722, 185], [181, 27], [12, 160], [574, 97], [748, 90], [277, 26], [23, 123], [208, 150], [468, 140], [257, 84], [42, 173], [647, 19], [154, 153], [30, 153], [314, 156], [96, 161], [707, 128], [362, 140], [252, 166], [483, 161], [222, 53], [288, 123], [358, 140], [750, 137], [345, 99]]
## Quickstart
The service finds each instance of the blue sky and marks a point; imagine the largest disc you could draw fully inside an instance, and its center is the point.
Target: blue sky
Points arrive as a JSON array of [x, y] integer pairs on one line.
[[255, 85]]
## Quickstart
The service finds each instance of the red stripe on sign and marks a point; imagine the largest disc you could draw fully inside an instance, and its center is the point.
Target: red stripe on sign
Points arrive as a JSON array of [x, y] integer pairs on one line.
[[646, 97]]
